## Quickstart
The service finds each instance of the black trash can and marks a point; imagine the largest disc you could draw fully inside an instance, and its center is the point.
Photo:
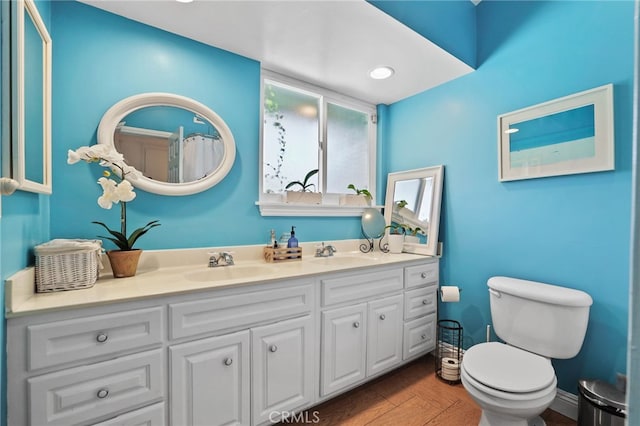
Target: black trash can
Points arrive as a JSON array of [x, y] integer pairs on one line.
[[600, 404]]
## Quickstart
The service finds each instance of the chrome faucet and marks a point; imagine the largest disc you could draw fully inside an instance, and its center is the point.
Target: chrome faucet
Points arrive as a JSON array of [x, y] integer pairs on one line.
[[220, 259], [325, 251]]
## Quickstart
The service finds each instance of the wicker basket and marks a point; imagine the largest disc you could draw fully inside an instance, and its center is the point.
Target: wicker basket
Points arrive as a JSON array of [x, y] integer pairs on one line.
[[67, 265], [283, 254]]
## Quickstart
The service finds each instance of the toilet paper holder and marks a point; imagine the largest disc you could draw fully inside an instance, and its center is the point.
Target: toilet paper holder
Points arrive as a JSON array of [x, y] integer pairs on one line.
[[450, 293]]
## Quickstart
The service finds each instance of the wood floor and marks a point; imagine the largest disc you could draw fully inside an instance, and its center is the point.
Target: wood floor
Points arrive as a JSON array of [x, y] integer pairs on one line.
[[411, 395]]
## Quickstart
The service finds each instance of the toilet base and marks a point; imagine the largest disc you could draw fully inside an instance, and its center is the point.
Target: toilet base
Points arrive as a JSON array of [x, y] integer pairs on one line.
[[498, 419]]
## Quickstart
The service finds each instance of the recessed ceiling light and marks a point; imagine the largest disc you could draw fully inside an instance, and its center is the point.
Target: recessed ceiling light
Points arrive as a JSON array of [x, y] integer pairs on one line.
[[380, 73], [184, 1], [512, 130]]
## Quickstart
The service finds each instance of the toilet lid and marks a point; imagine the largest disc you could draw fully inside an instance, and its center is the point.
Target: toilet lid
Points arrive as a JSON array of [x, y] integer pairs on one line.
[[508, 368]]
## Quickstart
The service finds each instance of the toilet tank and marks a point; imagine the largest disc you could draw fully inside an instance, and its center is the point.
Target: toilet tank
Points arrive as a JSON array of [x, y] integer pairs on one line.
[[545, 319]]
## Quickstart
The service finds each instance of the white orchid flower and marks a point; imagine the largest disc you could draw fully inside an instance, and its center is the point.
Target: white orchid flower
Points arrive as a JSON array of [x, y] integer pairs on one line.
[[108, 193], [73, 157], [124, 191], [113, 192]]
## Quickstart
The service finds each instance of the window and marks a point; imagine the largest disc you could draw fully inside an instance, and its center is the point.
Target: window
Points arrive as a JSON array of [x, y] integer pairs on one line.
[[305, 128]]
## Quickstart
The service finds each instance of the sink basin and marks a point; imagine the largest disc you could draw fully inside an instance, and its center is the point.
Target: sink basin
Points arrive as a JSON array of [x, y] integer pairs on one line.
[[344, 260], [229, 273]]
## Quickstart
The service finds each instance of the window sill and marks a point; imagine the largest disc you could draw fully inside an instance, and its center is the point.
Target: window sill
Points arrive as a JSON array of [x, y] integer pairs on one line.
[[301, 209]]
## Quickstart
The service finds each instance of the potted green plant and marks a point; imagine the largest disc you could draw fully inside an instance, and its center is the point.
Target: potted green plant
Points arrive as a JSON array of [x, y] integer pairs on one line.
[[395, 237], [304, 193], [412, 234], [124, 260], [362, 197]]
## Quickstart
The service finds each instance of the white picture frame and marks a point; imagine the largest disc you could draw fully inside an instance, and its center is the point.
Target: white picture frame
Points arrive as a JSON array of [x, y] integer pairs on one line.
[[568, 135]]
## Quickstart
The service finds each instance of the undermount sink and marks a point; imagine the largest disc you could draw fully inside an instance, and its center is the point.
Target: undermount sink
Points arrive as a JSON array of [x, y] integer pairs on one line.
[[343, 260], [229, 272]]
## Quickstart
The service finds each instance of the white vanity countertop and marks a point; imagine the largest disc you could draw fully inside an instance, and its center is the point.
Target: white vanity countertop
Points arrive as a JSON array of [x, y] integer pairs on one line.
[[164, 272]]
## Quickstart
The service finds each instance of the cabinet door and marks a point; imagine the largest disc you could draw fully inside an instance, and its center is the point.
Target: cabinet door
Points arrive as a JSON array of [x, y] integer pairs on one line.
[[210, 381], [384, 334], [283, 359], [343, 347]]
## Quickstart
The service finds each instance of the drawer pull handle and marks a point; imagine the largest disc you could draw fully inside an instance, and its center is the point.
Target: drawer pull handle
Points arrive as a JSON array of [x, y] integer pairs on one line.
[[424, 336], [425, 301], [102, 393], [228, 361], [356, 324], [273, 348], [423, 275], [102, 337], [382, 317]]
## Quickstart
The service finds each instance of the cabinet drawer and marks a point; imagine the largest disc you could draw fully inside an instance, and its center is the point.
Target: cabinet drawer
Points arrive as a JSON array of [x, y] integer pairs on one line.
[[83, 338], [147, 416], [81, 394], [420, 275], [360, 286], [238, 310], [419, 336], [420, 302]]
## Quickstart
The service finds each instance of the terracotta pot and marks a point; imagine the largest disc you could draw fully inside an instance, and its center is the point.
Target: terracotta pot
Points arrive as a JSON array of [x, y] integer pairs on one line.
[[124, 263]]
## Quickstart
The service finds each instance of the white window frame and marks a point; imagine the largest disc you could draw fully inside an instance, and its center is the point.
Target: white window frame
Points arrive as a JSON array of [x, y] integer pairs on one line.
[[274, 204]]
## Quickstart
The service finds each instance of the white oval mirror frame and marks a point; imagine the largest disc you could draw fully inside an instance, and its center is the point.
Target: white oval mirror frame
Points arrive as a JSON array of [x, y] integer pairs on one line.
[[121, 109]]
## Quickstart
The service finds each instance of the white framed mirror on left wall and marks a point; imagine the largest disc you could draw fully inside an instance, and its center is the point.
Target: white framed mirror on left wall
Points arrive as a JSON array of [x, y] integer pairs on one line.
[[30, 159]]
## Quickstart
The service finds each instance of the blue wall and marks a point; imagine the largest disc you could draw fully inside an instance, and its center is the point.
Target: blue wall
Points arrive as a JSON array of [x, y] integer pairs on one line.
[[568, 230], [101, 58]]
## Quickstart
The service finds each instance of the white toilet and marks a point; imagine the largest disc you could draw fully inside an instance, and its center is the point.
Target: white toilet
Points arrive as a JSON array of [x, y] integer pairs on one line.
[[514, 382]]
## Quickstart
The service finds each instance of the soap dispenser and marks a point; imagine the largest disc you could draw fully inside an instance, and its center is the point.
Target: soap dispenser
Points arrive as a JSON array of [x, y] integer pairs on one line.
[[293, 241]]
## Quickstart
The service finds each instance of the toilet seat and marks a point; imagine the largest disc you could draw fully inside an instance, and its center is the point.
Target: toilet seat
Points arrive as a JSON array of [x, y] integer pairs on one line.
[[507, 369]]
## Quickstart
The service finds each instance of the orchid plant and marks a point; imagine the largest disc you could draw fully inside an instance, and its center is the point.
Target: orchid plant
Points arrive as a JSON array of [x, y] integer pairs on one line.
[[119, 191]]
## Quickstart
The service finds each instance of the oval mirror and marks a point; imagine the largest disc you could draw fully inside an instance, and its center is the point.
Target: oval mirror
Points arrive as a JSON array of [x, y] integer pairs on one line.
[[372, 223], [181, 146]]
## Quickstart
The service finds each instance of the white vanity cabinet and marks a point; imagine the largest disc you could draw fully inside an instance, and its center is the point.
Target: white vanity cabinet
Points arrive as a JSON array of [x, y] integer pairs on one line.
[[243, 354], [260, 360], [373, 321], [362, 339]]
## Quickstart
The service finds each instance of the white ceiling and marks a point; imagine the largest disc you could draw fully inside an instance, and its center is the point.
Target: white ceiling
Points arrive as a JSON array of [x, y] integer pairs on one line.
[[333, 44]]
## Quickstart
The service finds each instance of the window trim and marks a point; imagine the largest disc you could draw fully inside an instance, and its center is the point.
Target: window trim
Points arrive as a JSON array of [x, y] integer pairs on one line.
[[273, 204]]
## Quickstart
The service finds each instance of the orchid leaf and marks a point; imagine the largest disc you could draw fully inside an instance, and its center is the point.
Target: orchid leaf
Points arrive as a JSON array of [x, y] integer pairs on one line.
[[140, 232], [116, 234]]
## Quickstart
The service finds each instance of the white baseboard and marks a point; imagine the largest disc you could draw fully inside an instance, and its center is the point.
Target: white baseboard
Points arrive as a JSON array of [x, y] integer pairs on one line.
[[566, 404]]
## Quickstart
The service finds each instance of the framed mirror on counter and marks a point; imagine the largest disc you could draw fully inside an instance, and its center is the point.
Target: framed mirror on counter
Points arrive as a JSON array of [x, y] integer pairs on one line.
[[412, 204], [181, 146], [30, 146]]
